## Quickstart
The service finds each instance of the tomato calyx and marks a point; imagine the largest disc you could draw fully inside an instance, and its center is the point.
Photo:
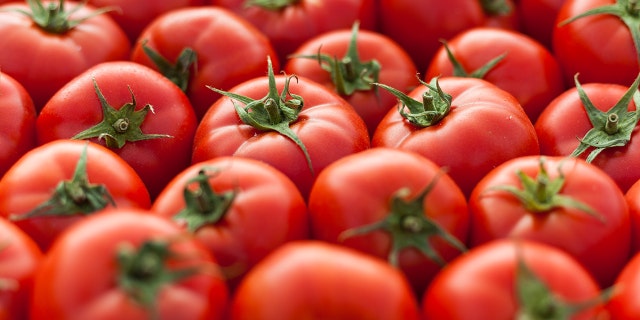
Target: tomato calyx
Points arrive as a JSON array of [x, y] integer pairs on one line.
[[495, 7], [408, 226], [542, 194], [274, 112], [460, 71], [179, 72], [71, 197], [273, 5], [435, 104], [203, 205], [612, 128], [54, 18], [119, 126], [349, 74]]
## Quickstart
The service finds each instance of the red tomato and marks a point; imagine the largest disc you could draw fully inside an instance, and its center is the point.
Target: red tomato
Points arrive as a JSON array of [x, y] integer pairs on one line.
[[527, 69], [79, 178], [150, 122], [560, 201], [513, 280], [318, 280], [239, 208], [229, 50], [17, 124], [538, 18], [19, 259], [298, 126], [598, 46], [348, 61], [624, 302], [393, 204], [288, 23], [128, 264], [596, 122], [633, 200], [44, 58], [470, 126]]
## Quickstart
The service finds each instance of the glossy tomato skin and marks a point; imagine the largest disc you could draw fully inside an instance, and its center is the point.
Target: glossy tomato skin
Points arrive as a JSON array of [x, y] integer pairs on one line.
[[624, 303], [633, 200], [591, 239], [528, 70], [25, 46], [29, 183], [18, 122], [19, 259], [538, 18], [318, 280], [229, 49], [396, 69], [488, 273], [267, 211], [155, 160], [357, 190], [565, 120], [287, 28], [327, 125], [69, 287], [485, 127], [598, 47]]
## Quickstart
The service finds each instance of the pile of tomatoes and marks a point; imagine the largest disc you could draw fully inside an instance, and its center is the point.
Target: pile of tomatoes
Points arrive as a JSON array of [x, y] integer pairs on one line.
[[319, 159]]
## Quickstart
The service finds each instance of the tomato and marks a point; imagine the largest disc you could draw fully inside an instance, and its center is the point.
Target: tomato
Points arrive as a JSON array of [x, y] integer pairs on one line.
[[80, 178], [538, 18], [596, 122], [633, 200], [560, 201], [598, 44], [19, 259], [289, 23], [318, 280], [624, 302], [135, 111], [419, 25], [46, 51], [393, 204], [228, 50], [128, 264], [506, 279], [365, 56], [239, 208], [17, 124], [526, 69], [298, 126], [468, 125]]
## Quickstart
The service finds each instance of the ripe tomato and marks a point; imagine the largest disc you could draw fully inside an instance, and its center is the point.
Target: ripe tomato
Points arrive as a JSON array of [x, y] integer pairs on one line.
[[560, 201], [80, 178], [19, 259], [507, 279], [239, 208], [596, 122], [17, 124], [348, 61], [468, 125], [229, 50], [526, 69], [46, 51], [135, 111], [128, 264], [599, 46], [538, 18], [623, 304], [298, 126], [318, 280], [633, 200]]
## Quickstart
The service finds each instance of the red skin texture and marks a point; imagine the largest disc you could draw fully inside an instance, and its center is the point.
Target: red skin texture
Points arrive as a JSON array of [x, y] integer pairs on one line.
[[474, 127], [265, 197], [29, 183], [318, 280], [397, 69], [528, 71], [633, 200], [480, 284], [624, 303], [19, 260], [538, 18], [497, 214], [327, 125], [43, 62], [17, 124], [230, 50]]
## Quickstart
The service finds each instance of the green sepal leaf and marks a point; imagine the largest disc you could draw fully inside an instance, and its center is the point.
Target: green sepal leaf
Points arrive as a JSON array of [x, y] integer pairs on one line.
[[460, 71], [178, 72]]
